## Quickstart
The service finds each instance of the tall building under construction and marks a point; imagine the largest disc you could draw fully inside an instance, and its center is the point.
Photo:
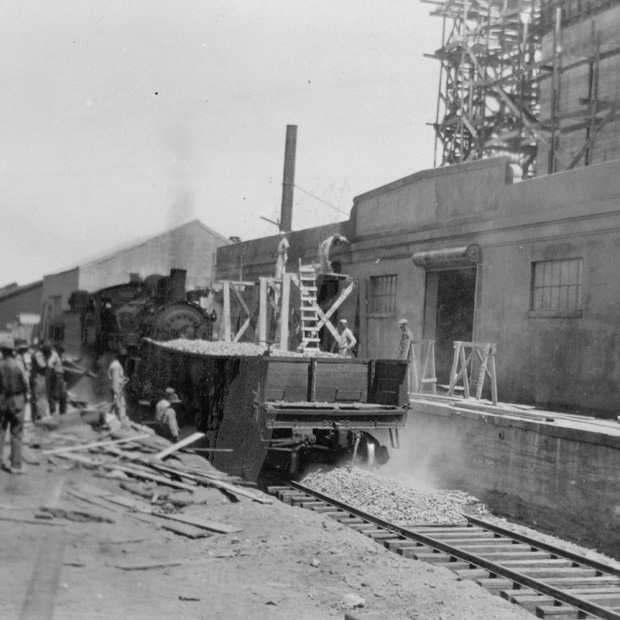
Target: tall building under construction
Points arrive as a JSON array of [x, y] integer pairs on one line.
[[536, 80]]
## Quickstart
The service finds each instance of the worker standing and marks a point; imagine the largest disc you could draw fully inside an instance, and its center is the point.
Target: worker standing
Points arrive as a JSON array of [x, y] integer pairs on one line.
[[116, 375], [24, 360], [166, 416], [345, 342], [283, 248], [406, 339], [325, 265], [38, 390], [13, 390]]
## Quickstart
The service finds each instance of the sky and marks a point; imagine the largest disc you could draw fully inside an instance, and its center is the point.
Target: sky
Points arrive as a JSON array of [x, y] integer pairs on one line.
[[122, 119]]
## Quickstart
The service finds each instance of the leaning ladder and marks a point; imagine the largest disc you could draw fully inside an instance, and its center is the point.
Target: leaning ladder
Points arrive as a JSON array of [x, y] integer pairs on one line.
[[309, 308]]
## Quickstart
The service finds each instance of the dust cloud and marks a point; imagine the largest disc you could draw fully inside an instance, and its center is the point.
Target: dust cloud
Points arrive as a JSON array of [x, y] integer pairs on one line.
[[431, 455]]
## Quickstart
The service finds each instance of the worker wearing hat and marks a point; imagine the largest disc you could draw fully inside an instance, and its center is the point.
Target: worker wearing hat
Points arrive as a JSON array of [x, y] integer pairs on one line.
[[166, 416], [13, 391], [406, 338], [345, 342]]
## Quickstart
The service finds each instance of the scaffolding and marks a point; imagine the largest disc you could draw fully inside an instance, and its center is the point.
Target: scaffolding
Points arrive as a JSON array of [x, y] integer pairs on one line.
[[502, 88], [488, 101]]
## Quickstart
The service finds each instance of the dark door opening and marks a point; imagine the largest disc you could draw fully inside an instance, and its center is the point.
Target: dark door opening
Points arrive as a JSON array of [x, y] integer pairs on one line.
[[449, 314]]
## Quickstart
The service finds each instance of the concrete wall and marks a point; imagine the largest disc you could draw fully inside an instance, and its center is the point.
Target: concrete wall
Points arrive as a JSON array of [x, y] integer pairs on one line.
[[23, 299], [545, 474], [432, 196]]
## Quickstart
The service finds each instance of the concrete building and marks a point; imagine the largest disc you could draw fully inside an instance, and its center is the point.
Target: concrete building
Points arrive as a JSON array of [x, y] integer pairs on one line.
[[465, 254], [191, 247]]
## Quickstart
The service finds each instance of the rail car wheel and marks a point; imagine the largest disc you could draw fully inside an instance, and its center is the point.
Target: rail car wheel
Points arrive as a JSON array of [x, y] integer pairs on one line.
[[368, 452]]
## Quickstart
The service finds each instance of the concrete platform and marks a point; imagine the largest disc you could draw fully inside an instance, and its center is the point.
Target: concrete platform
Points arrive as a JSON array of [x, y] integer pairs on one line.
[[557, 472]]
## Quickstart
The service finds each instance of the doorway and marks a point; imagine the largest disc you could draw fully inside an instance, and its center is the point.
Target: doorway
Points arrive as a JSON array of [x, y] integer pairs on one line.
[[449, 314]]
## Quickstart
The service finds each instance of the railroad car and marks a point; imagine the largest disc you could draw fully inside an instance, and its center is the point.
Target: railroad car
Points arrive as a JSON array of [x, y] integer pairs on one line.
[[282, 411]]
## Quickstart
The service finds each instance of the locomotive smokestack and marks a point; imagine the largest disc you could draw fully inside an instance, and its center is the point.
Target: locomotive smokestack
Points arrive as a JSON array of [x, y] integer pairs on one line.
[[176, 286], [288, 181]]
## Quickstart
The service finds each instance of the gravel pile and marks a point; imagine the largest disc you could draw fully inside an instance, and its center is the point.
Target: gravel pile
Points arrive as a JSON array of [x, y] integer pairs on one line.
[[238, 349], [391, 500]]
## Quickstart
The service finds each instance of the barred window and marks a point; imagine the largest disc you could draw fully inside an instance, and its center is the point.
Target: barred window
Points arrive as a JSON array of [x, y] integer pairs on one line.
[[556, 288], [382, 295]]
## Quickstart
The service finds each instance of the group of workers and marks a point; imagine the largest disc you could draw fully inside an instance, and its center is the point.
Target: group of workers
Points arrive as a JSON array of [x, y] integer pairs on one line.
[[28, 375]]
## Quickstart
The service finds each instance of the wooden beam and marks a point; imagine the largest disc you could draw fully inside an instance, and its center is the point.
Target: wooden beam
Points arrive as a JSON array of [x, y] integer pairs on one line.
[[284, 311], [180, 444], [226, 309], [262, 315], [96, 444]]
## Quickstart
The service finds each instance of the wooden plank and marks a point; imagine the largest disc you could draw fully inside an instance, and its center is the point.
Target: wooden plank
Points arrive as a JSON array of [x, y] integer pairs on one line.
[[43, 584], [96, 444], [137, 473], [226, 308], [91, 500], [212, 526], [183, 529], [180, 444], [262, 315], [285, 311], [171, 563], [141, 507], [29, 521]]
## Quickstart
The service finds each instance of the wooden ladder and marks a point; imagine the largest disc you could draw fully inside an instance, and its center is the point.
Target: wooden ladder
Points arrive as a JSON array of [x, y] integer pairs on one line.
[[309, 308]]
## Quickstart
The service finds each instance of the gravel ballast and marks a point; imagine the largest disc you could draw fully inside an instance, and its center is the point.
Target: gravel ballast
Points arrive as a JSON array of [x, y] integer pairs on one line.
[[221, 348], [390, 500]]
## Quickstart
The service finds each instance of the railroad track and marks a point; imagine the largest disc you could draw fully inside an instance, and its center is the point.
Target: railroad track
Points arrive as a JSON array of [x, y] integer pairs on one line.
[[544, 579]]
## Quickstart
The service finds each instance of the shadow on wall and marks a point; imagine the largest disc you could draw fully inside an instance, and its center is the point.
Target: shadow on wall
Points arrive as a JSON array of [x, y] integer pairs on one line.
[[429, 457]]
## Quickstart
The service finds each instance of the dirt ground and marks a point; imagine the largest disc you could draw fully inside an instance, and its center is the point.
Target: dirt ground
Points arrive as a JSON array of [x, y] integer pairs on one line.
[[284, 562]]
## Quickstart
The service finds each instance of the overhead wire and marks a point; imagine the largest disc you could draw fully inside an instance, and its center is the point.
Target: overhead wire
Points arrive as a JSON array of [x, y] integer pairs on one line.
[[320, 200]]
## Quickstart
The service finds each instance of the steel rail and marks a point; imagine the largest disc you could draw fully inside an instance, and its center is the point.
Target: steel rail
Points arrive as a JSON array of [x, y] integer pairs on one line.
[[495, 569]]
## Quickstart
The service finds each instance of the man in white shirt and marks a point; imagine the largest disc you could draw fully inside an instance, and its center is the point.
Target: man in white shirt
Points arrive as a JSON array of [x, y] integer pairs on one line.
[[116, 375], [345, 342]]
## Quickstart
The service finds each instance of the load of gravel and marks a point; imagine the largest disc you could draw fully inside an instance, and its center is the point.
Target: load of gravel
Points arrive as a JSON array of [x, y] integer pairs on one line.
[[221, 348], [390, 500]]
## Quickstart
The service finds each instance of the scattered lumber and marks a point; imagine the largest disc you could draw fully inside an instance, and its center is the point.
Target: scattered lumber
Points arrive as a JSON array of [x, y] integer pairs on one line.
[[97, 444], [91, 500], [137, 473], [180, 444], [143, 508]]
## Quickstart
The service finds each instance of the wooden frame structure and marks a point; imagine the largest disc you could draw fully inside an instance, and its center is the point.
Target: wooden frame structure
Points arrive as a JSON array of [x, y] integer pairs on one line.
[[465, 353], [280, 303], [421, 355]]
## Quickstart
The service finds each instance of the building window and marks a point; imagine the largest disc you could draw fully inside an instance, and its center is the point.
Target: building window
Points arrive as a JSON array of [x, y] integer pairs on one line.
[[382, 295], [556, 288]]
